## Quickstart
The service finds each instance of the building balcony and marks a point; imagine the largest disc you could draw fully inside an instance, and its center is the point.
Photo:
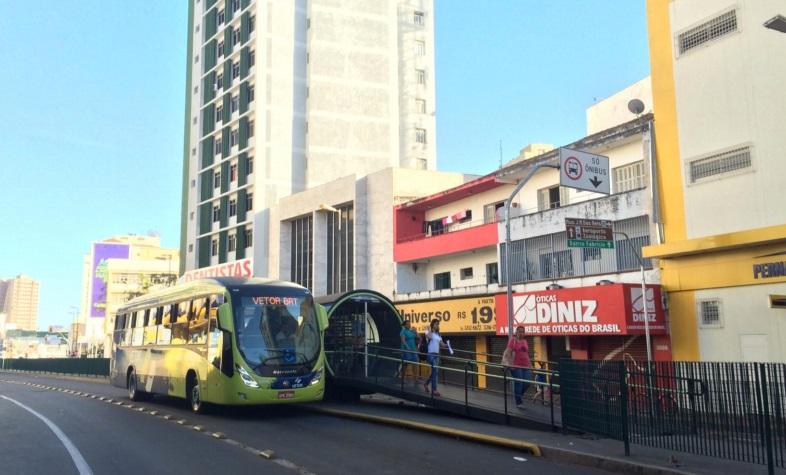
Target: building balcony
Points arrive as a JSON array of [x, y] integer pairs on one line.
[[455, 238]]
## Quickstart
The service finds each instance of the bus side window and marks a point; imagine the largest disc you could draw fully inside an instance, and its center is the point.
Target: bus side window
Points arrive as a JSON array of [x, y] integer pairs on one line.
[[151, 326], [139, 327], [165, 326], [117, 335], [129, 328], [197, 328], [214, 331], [180, 325]]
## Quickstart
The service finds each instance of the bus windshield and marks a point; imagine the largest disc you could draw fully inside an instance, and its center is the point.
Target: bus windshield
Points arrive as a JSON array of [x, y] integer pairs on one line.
[[276, 330]]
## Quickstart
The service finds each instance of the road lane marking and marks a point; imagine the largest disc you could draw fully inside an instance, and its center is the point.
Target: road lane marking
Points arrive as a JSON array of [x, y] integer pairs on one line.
[[76, 456]]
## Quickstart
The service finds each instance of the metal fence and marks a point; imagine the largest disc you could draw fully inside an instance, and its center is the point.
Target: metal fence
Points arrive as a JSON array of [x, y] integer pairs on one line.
[[727, 410], [80, 366]]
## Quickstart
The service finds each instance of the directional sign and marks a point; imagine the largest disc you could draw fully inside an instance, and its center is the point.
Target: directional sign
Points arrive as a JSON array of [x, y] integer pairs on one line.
[[597, 233], [584, 171]]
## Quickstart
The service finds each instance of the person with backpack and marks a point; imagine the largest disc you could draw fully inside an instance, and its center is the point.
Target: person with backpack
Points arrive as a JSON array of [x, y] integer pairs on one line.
[[435, 344]]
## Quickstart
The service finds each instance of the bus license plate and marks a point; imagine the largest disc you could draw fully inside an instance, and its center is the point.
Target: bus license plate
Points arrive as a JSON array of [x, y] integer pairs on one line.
[[286, 394]]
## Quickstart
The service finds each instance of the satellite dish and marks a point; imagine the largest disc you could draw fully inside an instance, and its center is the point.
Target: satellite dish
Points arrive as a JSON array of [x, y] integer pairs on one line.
[[636, 106]]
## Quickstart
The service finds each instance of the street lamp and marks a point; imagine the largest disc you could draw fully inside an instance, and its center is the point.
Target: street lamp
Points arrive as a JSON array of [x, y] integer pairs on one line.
[[777, 23]]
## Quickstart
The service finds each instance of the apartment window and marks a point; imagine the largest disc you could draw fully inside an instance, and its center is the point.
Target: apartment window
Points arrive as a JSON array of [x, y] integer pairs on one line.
[[492, 273], [490, 211], [196, 30], [250, 164], [442, 281], [249, 201], [720, 163], [420, 136], [250, 93], [231, 242], [421, 74], [421, 163], [218, 146], [250, 128], [191, 216], [251, 23], [217, 179], [220, 16], [715, 28], [710, 313], [196, 59], [193, 183], [235, 69], [629, 177], [466, 273], [419, 18], [190, 248], [236, 36], [233, 172], [420, 106], [252, 58], [196, 89], [302, 240], [249, 237], [340, 252], [233, 137], [552, 197], [232, 207], [219, 113], [216, 213], [219, 81], [233, 103], [214, 247], [235, 5], [193, 152], [220, 49], [420, 48], [194, 121]]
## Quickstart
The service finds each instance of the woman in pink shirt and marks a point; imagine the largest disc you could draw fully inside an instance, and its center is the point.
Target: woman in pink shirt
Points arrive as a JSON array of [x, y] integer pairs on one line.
[[518, 350]]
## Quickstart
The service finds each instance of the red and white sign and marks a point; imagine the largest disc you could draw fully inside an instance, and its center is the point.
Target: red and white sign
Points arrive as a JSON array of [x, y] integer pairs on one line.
[[600, 310], [241, 268]]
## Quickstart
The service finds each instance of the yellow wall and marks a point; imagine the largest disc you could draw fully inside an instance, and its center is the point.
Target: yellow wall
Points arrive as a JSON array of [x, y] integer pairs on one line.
[[665, 108], [683, 326]]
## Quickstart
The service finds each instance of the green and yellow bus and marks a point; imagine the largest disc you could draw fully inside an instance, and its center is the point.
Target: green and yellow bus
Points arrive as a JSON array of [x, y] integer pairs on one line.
[[222, 340]]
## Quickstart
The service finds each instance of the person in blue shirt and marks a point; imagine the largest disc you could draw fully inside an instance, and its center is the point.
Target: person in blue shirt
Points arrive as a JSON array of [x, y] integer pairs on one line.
[[409, 345]]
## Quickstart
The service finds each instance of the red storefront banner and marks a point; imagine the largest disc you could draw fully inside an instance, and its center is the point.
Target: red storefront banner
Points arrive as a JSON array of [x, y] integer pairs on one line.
[[614, 309]]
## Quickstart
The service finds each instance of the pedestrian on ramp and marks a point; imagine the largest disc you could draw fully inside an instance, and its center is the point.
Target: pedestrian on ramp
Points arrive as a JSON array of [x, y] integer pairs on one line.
[[435, 343]]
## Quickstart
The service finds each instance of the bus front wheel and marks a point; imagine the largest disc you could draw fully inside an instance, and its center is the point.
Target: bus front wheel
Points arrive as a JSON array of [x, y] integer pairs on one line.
[[194, 394]]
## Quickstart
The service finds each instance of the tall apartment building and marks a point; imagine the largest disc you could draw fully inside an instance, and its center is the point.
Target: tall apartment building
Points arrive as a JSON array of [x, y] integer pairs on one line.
[[718, 71], [19, 301], [286, 95]]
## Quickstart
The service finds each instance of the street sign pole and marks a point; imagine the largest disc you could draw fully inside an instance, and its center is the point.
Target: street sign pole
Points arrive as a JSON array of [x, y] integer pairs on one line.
[[643, 296], [513, 194]]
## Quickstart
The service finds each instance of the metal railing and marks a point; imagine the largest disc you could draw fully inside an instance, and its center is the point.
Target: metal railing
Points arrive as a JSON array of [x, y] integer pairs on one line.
[[77, 366], [458, 380], [735, 411]]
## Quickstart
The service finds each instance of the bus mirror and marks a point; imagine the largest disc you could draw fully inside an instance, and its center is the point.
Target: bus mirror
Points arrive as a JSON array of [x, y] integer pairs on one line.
[[225, 317], [322, 317]]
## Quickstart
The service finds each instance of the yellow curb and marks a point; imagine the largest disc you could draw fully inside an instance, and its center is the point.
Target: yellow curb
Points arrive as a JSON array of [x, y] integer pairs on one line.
[[532, 448]]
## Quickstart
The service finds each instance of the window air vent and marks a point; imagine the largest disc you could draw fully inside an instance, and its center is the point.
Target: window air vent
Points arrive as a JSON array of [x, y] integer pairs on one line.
[[720, 163], [710, 30]]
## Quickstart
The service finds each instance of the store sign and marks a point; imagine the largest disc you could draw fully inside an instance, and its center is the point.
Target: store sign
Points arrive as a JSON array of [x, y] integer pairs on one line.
[[469, 315], [768, 270], [241, 268], [616, 309]]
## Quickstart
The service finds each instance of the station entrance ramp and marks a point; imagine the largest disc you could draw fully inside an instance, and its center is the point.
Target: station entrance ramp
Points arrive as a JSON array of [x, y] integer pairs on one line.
[[362, 344]]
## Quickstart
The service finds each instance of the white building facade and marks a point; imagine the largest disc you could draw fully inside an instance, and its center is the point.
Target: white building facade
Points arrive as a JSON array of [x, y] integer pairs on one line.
[[286, 95]]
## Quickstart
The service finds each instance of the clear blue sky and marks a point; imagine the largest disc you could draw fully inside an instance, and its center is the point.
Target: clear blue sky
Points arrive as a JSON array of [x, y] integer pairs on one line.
[[93, 97]]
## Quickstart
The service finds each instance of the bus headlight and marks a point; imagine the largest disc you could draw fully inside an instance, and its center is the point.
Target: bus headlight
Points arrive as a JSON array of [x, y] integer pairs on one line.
[[317, 377], [248, 380]]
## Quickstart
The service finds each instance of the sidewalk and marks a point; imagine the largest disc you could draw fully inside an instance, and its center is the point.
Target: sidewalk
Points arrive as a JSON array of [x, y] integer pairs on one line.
[[600, 453]]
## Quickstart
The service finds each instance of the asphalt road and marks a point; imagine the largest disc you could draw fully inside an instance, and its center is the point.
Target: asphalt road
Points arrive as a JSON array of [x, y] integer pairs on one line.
[[116, 439]]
